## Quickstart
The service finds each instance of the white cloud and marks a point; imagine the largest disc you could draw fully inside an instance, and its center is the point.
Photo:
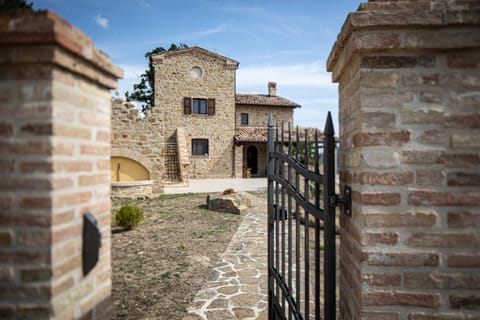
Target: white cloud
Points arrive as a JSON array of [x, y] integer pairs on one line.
[[101, 21], [133, 71], [252, 10], [131, 76], [196, 35], [264, 20], [308, 84], [143, 3], [206, 32], [298, 75], [314, 115]]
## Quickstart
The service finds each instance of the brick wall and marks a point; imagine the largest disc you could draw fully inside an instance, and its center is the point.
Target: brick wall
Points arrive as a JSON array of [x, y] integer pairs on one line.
[[54, 163], [409, 84]]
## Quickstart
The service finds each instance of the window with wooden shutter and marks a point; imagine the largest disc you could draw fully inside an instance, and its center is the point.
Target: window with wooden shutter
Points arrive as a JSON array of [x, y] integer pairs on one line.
[[187, 105], [199, 106], [211, 107]]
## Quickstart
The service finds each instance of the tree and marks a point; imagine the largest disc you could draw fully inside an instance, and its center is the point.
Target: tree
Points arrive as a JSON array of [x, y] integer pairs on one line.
[[144, 91], [10, 5]]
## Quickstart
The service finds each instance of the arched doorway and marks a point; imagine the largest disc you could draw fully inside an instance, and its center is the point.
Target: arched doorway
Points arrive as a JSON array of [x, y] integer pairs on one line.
[[252, 159]]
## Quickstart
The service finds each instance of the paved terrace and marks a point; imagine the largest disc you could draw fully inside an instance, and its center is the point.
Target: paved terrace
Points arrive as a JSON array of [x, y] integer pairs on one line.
[[218, 185], [236, 287]]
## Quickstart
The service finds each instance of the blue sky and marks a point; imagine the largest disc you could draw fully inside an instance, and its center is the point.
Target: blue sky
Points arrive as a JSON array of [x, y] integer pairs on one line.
[[274, 40]]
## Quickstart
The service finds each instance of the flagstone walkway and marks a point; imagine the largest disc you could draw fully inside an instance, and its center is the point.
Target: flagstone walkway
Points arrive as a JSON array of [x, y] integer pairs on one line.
[[236, 287]]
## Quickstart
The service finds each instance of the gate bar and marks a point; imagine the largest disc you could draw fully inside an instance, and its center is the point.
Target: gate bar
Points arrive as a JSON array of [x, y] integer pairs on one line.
[[329, 224]]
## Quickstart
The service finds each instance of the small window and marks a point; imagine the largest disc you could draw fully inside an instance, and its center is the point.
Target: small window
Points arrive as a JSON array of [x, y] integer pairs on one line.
[[200, 106], [199, 147], [196, 72], [244, 118]]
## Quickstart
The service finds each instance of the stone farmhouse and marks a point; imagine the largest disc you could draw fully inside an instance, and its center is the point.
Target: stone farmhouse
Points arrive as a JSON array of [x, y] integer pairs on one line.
[[199, 127], [408, 75]]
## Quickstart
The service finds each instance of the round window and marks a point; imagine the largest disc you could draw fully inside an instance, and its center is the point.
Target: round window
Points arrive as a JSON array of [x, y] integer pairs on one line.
[[196, 72]]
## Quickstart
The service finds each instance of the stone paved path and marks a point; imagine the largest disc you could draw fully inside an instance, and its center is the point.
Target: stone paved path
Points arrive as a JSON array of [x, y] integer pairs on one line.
[[218, 185], [236, 287]]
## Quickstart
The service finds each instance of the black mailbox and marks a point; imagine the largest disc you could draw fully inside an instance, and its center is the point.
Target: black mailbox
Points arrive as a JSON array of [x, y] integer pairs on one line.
[[92, 241], [282, 213]]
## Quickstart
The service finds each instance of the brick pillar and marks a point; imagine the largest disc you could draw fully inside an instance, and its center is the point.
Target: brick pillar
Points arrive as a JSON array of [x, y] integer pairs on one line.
[[55, 166], [409, 87]]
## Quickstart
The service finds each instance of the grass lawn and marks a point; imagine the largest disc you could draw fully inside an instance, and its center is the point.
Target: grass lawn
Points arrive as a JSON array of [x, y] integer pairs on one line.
[[160, 265]]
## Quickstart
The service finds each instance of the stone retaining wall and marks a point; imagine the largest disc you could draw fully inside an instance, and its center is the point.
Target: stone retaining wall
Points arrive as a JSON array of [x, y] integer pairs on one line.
[[132, 189], [139, 138]]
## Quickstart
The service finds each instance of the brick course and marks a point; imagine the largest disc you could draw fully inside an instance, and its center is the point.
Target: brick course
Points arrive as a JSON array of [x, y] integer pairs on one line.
[[53, 102], [408, 84]]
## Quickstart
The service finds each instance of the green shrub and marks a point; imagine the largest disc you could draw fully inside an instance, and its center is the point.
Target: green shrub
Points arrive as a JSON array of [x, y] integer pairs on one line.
[[129, 217]]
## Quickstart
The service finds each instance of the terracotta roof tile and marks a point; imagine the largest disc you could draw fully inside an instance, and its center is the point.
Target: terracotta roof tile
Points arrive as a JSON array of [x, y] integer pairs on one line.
[[264, 100], [260, 134], [251, 134]]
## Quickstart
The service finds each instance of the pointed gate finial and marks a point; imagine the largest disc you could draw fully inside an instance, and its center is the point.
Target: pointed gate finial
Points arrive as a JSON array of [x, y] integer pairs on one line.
[[329, 126], [270, 120]]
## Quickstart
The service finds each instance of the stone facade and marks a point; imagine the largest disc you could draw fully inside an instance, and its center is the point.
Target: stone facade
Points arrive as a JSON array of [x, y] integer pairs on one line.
[[409, 83], [253, 155], [174, 81], [55, 167], [161, 140], [258, 116]]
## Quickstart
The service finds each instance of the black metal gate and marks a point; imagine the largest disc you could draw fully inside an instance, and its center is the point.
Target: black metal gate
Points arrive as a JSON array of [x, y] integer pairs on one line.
[[301, 258]]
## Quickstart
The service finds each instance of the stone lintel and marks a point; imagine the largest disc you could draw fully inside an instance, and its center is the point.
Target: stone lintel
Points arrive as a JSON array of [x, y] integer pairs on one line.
[[62, 44], [405, 25]]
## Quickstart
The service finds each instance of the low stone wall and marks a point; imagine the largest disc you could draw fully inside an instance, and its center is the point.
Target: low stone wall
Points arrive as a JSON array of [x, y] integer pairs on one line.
[[139, 138], [132, 189]]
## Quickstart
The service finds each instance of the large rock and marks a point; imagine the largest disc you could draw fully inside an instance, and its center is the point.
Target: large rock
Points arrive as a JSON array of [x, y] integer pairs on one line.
[[235, 203]]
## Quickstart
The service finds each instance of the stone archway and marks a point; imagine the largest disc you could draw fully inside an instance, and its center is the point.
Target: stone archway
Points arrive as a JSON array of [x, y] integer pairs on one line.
[[130, 154], [134, 178], [127, 169]]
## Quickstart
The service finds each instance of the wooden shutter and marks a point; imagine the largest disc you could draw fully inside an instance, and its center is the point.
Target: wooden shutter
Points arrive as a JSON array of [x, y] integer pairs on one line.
[[187, 105], [211, 107]]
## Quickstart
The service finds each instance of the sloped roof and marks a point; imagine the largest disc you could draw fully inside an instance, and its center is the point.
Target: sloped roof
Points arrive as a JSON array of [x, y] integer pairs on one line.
[[196, 49], [264, 100], [260, 134], [251, 134]]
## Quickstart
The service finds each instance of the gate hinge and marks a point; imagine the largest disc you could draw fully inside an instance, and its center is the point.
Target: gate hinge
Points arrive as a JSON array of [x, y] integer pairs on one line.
[[345, 201]]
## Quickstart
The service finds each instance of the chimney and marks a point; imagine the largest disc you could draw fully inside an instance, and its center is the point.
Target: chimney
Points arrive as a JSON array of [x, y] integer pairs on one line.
[[272, 89]]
